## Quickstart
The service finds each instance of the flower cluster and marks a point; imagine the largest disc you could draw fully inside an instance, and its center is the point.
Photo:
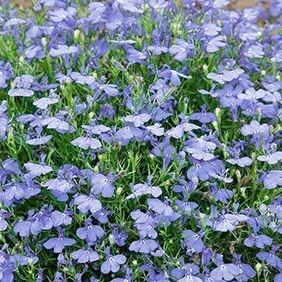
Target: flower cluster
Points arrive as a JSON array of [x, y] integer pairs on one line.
[[140, 140]]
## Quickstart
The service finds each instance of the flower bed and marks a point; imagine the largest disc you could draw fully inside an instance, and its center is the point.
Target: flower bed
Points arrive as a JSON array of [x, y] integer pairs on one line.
[[140, 140]]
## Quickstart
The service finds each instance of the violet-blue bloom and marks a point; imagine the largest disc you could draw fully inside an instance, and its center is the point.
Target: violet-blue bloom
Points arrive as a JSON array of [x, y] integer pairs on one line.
[[58, 243], [91, 233], [259, 241], [87, 203], [144, 246], [85, 255], [113, 263]]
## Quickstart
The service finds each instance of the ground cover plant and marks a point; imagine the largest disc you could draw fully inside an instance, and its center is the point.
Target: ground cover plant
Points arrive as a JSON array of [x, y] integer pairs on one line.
[[140, 140]]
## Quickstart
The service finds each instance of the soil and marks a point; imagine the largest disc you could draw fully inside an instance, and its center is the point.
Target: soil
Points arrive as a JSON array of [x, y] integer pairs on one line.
[[234, 5]]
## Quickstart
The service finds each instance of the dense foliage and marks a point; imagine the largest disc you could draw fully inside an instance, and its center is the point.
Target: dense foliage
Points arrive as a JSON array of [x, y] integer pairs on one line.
[[139, 141]]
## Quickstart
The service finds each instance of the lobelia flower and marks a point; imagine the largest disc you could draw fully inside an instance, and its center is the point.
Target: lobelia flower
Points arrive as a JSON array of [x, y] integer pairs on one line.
[[226, 75], [142, 218], [102, 215], [87, 203], [119, 236], [24, 119], [133, 6], [61, 218], [85, 255], [39, 140], [156, 129], [184, 187], [124, 135], [145, 224], [30, 186], [20, 260], [252, 95], [259, 241], [254, 128], [228, 222], [160, 89], [186, 207], [6, 270], [112, 263], [204, 170], [20, 92], [181, 50], [29, 226], [272, 158], [271, 97], [63, 50], [3, 223], [103, 185], [185, 271], [82, 79], [255, 51], [225, 271], [108, 89], [60, 14], [6, 73], [4, 120], [145, 246], [222, 195], [25, 81], [106, 111], [211, 29], [178, 131], [37, 169], [160, 207], [58, 243], [137, 120], [276, 206], [220, 3], [242, 162], [154, 274], [10, 166], [144, 189], [59, 277], [247, 272], [45, 102], [59, 188], [87, 142], [206, 257], [58, 123], [163, 220], [200, 149], [269, 111], [215, 44], [172, 75], [91, 233], [96, 129], [190, 278], [192, 242], [43, 219], [270, 258], [147, 229], [203, 116], [11, 193], [34, 51], [135, 56], [235, 153], [272, 179]]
